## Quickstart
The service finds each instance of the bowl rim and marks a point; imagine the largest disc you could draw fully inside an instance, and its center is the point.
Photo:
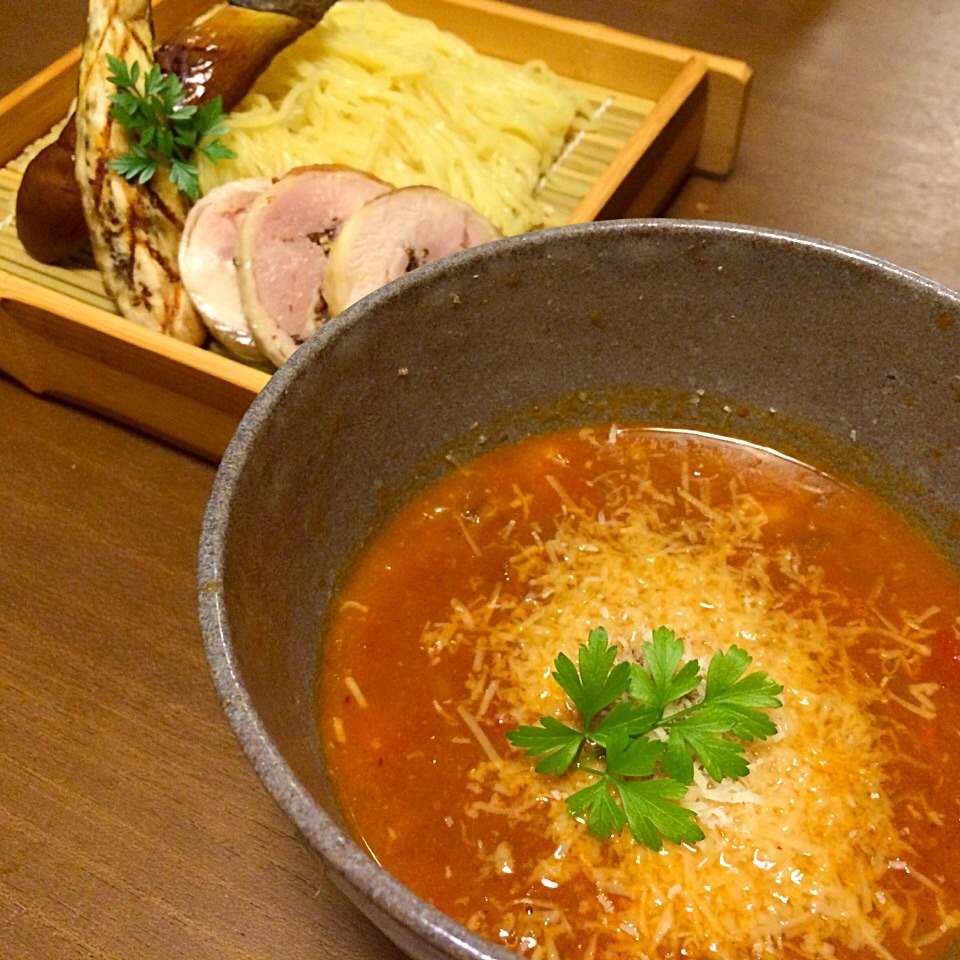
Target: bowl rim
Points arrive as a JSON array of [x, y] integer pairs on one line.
[[343, 856]]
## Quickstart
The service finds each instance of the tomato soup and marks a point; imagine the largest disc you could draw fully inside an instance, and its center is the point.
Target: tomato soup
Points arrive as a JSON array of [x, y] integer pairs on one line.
[[844, 838]]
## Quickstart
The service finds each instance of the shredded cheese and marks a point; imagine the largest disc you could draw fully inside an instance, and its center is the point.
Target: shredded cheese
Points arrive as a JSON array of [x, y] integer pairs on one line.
[[470, 722], [796, 853], [355, 691]]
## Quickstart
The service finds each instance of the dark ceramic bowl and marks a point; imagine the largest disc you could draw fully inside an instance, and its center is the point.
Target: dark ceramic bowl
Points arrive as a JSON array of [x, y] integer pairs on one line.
[[821, 352]]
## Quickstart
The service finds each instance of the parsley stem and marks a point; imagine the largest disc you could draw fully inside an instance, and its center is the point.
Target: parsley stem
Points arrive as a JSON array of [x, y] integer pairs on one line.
[[594, 770], [673, 718]]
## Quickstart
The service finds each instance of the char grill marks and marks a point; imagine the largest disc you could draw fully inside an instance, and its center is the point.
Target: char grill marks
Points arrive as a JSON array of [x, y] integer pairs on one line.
[[135, 229]]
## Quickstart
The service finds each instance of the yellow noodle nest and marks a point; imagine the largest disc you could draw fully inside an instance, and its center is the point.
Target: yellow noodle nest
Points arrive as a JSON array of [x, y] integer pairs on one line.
[[394, 95]]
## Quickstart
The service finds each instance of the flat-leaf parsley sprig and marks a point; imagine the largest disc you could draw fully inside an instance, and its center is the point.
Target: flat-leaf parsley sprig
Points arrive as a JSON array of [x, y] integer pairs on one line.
[[640, 775], [168, 131]]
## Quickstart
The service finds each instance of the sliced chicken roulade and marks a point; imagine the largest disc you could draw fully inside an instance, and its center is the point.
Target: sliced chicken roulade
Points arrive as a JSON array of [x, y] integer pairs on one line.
[[282, 251], [208, 263], [396, 233]]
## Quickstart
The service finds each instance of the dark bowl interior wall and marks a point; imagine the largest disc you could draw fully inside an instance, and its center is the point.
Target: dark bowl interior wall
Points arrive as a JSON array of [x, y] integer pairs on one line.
[[824, 354]]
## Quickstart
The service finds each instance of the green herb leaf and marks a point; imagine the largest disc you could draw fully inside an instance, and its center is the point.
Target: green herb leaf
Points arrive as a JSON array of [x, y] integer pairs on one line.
[[646, 805], [184, 175], [743, 697], [597, 683], [700, 737], [652, 814], [604, 815], [120, 74], [732, 704], [641, 776], [557, 743], [632, 719], [208, 117], [167, 131], [215, 150], [661, 683], [627, 757], [137, 165]]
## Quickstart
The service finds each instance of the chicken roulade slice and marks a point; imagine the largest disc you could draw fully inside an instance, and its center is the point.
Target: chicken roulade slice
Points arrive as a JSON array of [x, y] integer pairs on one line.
[[208, 263], [396, 233], [282, 251]]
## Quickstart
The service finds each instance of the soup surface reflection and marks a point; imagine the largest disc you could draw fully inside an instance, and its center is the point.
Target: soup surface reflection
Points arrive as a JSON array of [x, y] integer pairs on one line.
[[843, 840]]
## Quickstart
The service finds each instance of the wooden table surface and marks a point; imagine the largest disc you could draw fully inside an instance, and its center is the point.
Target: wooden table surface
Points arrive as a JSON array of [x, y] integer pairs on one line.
[[130, 824]]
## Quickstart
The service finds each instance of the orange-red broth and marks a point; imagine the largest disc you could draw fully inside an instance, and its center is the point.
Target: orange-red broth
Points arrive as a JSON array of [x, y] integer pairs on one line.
[[416, 784]]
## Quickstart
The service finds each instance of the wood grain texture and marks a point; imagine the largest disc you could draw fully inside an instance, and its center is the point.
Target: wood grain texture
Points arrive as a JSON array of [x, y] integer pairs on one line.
[[853, 130], [130, 824]]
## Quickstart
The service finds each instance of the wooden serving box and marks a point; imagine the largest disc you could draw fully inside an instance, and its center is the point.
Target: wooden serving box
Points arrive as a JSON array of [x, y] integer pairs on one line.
[[667, 110]]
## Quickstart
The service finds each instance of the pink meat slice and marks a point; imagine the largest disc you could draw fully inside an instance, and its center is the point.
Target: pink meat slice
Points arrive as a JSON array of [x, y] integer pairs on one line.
[[283, 246], [395, 233], [208, 263]]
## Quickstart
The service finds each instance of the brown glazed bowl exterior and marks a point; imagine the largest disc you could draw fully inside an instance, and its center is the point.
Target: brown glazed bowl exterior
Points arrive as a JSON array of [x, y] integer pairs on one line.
[[821, 352]]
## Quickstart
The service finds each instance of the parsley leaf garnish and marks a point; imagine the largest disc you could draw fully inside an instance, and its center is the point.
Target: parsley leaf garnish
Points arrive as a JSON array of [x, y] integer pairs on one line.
[[595, 682], [167, 131], [661, 683], [640, 778], [558, 744]]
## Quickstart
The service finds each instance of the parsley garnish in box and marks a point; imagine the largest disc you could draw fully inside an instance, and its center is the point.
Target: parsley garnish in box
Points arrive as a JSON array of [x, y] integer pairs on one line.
[[641, 777], [167, 130]]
